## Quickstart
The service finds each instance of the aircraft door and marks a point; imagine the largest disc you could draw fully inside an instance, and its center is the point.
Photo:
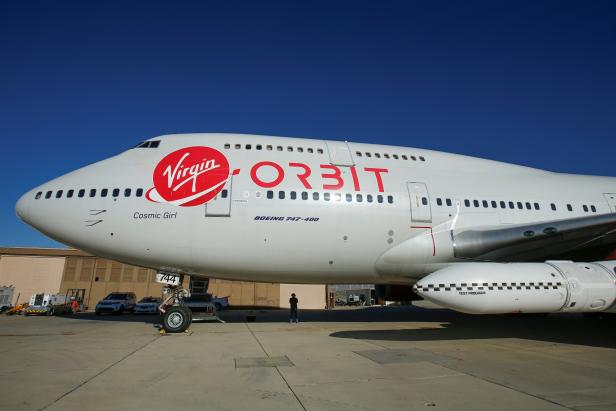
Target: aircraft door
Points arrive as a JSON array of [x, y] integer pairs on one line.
[[339, 153], [220, 206], [611, 200], [420, 202]]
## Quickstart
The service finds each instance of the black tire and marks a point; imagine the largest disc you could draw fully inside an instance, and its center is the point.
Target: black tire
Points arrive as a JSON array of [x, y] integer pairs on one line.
[[177, 319]]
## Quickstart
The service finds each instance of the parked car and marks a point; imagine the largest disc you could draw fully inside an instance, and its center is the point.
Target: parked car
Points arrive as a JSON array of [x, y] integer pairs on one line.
[[147, 305], [116, 303], [200, 302]]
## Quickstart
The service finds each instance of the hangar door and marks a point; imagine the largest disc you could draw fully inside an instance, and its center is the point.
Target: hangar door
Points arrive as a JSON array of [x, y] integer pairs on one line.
[[220, 206], [420, 202]]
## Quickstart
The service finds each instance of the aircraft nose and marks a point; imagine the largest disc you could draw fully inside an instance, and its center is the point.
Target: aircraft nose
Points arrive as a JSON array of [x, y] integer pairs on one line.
[[22, 206]]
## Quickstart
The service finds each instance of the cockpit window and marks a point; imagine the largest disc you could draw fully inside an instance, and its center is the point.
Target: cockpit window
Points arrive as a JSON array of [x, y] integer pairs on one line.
[[148, 144]]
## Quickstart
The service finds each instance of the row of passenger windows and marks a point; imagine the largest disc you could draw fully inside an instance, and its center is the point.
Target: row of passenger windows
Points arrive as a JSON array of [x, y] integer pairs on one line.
[[390, 156], [270, 147], [506, 204], [104, 192], [326, 196]]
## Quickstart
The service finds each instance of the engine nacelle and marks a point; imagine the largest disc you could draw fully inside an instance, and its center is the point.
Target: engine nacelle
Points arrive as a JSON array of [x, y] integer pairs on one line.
[[497, 288]]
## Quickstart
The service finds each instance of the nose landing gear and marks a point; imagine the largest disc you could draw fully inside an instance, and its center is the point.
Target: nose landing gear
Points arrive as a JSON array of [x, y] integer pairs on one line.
[[176, 316]]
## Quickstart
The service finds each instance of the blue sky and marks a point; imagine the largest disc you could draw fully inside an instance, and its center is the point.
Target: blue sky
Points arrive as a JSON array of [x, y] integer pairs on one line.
[[532, 83]]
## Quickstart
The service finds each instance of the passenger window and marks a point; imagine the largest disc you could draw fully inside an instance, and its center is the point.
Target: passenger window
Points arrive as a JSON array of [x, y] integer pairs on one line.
[[485, 203], [315, 196], [104, 192], [270, 194], [258, 146], [386, 155], [227, 145], [310, 150], [413, 158], [349, 198], [511, 205], [494, 205], [320, 150], [238, 146], [290, 149], [58, 193], [248, 146], [395, 156], [593, 208], [503, 205], [448, 202], [48, 194], [379, 198], [439, 202], [293, 195], [422, 158], [304, 195], [377, 155], [520, 205], [269, 147], [81, 193], [127, 192], [537, 206], [369, 198], [223, 193], [359, 198], [115, 192], [139, 192], [38, 195], [528, 207], [424, 200], [92, 192], [569, 207], [368, 155], [338, 196], [279, 148], [70, 193], [300, 149], [390, 199], [358, 153], [326, 196], [476, 203], [584, 207], [404, 157], [553, 206], [467, 203], [281, 195]]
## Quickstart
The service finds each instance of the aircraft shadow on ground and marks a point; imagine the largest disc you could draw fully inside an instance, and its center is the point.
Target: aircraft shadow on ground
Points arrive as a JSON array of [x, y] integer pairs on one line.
[[424, 325]]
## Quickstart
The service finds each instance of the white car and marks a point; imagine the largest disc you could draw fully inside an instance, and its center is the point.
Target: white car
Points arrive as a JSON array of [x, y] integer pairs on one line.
[[200, 302], [116, 303], [147, 305]]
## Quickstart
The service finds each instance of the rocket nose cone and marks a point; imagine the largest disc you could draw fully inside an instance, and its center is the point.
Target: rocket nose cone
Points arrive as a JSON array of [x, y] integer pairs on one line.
[[22, 207]]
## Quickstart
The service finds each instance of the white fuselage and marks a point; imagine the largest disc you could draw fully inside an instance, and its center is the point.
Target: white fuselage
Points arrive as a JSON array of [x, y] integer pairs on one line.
[[386, 233]]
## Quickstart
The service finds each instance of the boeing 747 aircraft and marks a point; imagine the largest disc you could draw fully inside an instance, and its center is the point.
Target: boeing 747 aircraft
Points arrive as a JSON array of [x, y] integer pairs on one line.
[[471, 234]]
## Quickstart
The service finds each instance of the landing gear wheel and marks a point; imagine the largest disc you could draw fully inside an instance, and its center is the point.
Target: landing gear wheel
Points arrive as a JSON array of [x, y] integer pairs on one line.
[[177, 319]]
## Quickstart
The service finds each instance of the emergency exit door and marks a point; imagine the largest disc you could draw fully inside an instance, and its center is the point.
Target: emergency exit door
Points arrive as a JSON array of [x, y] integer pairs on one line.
[[611, 200], [420, 203], [220, 206], [339, 153]]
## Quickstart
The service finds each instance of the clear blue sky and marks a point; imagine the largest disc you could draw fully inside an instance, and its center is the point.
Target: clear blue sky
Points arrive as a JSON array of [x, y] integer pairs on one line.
[[530, 82]]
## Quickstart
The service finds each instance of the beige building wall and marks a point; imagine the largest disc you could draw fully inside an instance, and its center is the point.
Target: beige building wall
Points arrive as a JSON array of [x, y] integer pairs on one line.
[[31, 275], [310, 296], [99, 277], [242, 293]]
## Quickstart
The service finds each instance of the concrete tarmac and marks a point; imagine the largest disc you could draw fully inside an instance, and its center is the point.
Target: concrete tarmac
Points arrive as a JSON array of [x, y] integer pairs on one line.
[[385, 358]]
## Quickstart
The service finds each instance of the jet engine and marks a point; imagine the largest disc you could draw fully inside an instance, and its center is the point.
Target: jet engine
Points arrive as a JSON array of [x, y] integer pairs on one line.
[[498, 288]]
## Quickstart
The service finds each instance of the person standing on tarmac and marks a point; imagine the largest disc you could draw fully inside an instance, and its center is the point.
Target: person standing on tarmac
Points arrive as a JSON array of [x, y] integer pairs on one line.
[[293, 303]]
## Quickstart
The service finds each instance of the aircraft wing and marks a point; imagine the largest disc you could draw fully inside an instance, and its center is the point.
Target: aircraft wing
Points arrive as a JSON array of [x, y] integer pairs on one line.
[[592, 237]]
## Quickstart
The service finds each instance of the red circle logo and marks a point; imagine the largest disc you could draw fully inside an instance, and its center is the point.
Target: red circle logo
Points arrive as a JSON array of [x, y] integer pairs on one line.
[[189, 176]]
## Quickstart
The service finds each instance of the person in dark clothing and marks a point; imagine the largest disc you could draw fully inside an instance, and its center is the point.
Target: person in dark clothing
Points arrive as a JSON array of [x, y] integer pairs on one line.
[[293, 303]]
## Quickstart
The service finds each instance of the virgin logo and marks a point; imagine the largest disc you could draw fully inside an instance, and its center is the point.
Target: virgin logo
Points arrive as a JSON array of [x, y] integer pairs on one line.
[[190, 176]]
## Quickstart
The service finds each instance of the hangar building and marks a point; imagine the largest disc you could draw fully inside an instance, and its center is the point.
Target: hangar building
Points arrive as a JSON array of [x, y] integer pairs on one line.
[[50, 270]]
